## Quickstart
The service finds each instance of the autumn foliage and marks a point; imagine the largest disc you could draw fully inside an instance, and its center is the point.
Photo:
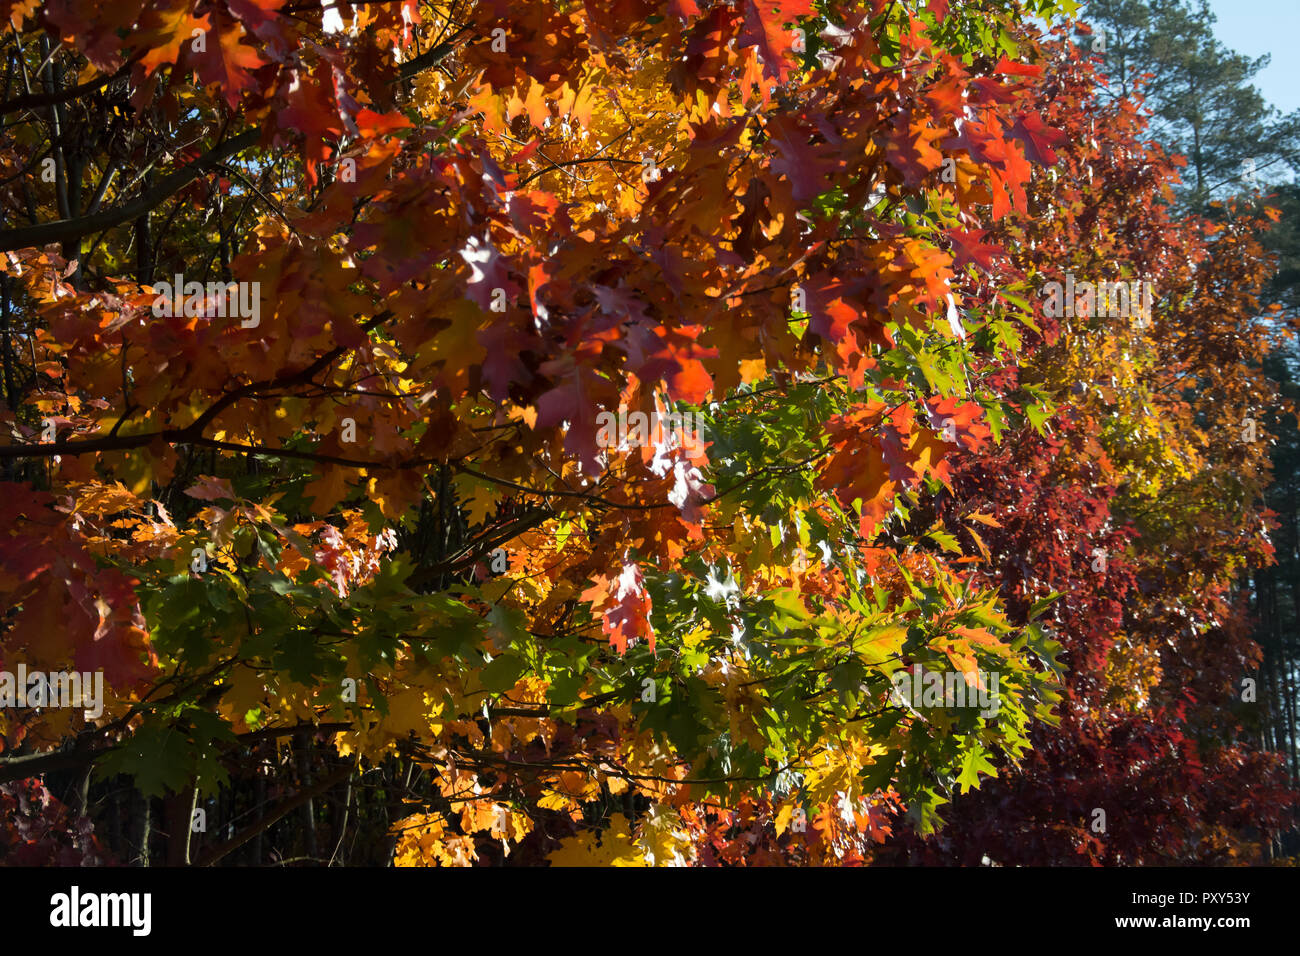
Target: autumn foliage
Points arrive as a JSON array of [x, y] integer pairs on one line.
[[348, 538]]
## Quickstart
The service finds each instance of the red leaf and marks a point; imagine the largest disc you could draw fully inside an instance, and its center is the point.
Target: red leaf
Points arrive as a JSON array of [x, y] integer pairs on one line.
[[227, 63], [526, 152], [1012, 68], [623, 605], [575, 400], [255, 13], [829, 316], [371, 124], [765, 29], [967, 248], [212, 489], [1037, 138], [629, 616], [800, 163], [166, 33], [964, 417], [488, 272]]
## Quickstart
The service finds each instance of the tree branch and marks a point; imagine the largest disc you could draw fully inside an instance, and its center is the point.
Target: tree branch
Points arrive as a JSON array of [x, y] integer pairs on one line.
[[221, 850], [63, 230], [192, 433], [33, 100], [430, 57]]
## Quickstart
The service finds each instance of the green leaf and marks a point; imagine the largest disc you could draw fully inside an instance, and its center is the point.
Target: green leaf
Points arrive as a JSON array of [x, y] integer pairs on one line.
[[945, 540], [924, 811], [879, 775], [507, 625], [502, 673], [564, 689], [296, 654], [973, 763], [1041, 605]]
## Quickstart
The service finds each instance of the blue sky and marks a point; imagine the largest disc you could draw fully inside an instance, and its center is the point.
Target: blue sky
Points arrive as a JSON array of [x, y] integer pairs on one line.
[[1256, 27]]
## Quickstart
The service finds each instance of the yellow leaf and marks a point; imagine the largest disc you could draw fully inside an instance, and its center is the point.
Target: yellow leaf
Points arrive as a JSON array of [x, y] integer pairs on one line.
[[612, 847], [476, 498], [663, 840], [751, 370], [783, 818], [328, 489]]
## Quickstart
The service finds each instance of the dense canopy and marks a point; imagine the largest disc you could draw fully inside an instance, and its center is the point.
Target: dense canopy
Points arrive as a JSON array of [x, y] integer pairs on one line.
[[615, 432]]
